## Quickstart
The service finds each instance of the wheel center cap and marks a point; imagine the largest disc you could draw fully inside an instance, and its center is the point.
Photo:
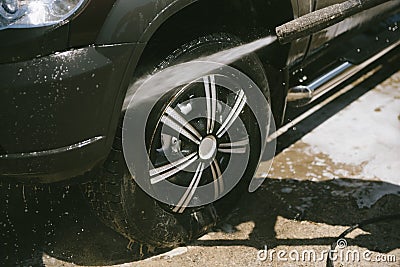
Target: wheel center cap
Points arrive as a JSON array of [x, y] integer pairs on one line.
[[208, 148]]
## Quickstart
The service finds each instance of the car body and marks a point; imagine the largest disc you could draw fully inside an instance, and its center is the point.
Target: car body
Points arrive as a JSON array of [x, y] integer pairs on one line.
[[63, 85]]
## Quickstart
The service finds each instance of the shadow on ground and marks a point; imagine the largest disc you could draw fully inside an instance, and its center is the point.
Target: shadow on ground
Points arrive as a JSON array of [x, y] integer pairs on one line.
[[56, 220], [67, 230]]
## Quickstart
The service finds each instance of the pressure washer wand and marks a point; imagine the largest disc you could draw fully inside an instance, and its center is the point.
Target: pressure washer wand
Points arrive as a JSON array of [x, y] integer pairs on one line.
[[322, 18]]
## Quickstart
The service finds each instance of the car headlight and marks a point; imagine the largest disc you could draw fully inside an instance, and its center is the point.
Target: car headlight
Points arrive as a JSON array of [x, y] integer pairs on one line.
[[35, 13]]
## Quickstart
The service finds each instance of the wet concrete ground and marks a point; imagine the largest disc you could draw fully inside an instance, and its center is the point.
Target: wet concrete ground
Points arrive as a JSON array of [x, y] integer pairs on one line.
[[337, 167]]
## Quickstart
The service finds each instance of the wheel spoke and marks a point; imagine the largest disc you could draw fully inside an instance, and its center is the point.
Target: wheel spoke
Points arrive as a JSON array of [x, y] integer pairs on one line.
[[183, 122], [233, 115], [239, 150], [217, 176], [179, 128], [211, 101], [187, 197], [236, 144], [171, 169], [220, 181], [238, 147]]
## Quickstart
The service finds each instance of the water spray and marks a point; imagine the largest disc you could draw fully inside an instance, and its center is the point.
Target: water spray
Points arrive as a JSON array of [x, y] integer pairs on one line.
[[184, 73]]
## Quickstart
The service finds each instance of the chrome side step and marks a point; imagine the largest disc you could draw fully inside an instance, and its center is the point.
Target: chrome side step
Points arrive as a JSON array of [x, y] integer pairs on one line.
[[302, 95]]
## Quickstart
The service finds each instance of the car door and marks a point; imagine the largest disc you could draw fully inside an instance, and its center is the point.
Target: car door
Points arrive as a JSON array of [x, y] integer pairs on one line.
[[321, 39]]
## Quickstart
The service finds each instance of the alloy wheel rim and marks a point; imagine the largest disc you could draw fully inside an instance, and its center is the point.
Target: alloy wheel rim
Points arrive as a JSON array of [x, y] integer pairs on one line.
[[195, 140]]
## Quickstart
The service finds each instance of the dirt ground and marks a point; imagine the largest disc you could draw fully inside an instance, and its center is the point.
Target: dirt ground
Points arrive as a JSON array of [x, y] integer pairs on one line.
[[337, 167]]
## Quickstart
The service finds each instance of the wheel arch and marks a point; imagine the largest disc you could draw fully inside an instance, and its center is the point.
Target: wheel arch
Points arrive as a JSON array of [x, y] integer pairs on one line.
[[156, 25], [151, 21]]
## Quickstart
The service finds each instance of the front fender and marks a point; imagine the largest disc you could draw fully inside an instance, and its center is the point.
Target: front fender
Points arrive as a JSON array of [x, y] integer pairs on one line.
[[136, 21]]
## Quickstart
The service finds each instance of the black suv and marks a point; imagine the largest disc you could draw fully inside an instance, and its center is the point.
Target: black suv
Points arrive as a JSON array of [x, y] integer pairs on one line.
[[69, 69]]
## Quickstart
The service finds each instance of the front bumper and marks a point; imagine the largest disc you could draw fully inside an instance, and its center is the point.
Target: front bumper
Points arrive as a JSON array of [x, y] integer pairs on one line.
[[56, 112]]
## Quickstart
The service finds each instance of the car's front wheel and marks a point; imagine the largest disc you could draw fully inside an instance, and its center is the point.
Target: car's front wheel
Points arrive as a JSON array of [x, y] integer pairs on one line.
[[200, 135]]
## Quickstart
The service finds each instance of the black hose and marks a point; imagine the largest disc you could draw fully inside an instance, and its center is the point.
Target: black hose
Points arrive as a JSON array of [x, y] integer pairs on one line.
[[385, 218]]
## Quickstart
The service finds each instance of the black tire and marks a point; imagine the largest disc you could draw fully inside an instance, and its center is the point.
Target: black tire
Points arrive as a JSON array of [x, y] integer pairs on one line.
[[120, 202]]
